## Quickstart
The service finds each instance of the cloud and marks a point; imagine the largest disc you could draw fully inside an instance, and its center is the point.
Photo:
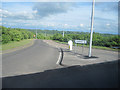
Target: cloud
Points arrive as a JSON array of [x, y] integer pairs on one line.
[[107, 24], [39, 10], [104, 18], [59, 0], [107, 6], [0, 19], [17, 15], [81, 25], [46, 9]]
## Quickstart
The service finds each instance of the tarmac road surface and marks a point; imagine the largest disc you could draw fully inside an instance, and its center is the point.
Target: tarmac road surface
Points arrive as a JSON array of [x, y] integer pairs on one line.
[[36, 58], [35, 67]]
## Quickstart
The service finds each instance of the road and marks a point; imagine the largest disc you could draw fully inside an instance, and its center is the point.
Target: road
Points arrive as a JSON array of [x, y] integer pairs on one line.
[[37, 58], [35, 67]]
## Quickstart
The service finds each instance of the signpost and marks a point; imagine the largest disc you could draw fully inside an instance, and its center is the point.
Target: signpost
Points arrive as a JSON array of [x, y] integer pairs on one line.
[[80, 42], [34, 36]]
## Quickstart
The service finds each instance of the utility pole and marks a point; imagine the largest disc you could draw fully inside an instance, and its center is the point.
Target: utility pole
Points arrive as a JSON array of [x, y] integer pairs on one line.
[[36, 33], [45, 34], [64, 27], [63, 33], [91, 33]]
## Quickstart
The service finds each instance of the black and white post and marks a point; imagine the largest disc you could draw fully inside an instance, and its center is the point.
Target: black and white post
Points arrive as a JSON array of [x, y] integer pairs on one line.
[[91, 34]]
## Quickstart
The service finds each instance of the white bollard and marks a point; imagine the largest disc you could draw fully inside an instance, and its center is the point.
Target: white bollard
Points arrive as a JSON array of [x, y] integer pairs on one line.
[[70, 47], [70, 43]]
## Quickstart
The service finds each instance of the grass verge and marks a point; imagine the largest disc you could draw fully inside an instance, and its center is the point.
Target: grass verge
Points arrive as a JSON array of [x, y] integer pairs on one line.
[[14, 44], [96, 47]]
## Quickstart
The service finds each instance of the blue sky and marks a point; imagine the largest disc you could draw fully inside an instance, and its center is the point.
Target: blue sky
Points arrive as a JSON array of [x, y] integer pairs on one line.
[[74, 16]]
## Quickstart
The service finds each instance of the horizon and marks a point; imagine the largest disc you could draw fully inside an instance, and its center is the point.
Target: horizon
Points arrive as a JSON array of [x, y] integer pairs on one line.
[[74, 16], [64, 31]]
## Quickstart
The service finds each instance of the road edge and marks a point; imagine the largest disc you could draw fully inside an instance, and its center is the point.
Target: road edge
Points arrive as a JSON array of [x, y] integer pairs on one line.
[[60, 58], [18, 48], [61, 53]]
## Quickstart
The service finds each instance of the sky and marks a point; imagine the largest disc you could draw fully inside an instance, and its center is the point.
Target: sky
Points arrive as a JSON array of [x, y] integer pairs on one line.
[[68, 16]]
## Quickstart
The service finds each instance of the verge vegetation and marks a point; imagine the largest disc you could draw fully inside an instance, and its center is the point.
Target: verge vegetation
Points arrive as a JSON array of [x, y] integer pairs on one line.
[[14, 37], [102, 41]]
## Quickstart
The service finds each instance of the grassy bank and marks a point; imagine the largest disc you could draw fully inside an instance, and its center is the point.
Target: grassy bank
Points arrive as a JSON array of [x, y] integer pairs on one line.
[[15, 44], [96, 47]]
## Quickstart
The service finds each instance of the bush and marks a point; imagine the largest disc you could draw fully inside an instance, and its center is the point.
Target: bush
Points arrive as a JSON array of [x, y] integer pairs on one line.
[[15, 35], [98, 39], [10, 34], [6, 38]]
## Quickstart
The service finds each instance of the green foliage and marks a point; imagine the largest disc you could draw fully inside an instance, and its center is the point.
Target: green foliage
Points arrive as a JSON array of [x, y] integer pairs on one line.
[[11, 34], [0, 34], [59, 37], [16, 34], [6, 38], [42, 36], [98, 39]]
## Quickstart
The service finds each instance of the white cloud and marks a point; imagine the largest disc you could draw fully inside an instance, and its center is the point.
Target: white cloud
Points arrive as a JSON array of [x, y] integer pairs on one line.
[[59, 0], [81, 25], [4, 23], [107, 24], [17, 15], [5, 13], [35, 11], [75, 19], [46, 9], [50, 24], [0, 19], [65, 24]]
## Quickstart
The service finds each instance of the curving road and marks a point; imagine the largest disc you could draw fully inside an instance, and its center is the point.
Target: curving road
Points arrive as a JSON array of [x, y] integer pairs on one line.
[[37, 58], [35, 67]]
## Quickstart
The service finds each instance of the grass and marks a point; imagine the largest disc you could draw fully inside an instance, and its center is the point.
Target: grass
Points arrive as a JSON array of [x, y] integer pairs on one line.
[[60, 42], [101, 47], [14, 44], [96, 47]]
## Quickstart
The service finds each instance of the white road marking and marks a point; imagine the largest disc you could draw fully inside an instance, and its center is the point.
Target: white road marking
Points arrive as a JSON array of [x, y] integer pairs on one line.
[[59, 58]]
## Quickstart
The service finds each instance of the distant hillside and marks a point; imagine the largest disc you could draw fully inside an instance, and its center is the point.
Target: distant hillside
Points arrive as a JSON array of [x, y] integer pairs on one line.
[[52, 32]]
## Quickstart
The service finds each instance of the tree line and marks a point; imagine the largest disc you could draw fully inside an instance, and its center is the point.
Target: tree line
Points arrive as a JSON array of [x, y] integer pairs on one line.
[[98, 39], [17, 34], [14, 34], [105, 40]]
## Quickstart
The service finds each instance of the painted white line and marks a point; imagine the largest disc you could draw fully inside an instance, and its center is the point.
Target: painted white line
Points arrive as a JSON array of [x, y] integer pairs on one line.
[[59, 58]]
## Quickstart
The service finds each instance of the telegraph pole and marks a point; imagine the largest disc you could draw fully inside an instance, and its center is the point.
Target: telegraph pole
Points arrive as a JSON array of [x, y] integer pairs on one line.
[[91, 33], [63, 33], [64, 27], [36, 33], [45, 34]]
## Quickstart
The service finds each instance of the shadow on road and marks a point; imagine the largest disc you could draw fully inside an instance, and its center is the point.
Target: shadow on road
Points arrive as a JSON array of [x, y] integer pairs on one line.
[[104, 75], [79, 55]]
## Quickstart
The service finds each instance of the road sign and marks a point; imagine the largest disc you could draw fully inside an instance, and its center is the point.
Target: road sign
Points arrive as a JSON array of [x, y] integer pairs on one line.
[[33, 35], [81, 41]]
